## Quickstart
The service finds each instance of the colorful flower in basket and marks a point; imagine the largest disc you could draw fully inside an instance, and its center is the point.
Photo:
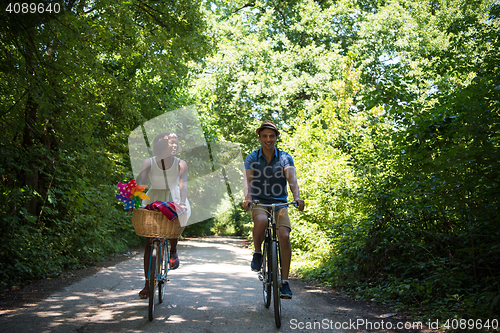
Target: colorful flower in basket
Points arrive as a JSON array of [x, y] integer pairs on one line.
[[131, 193]]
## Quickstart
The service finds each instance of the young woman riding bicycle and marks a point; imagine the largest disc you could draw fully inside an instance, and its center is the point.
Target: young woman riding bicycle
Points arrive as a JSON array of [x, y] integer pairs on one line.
[[168, 177]]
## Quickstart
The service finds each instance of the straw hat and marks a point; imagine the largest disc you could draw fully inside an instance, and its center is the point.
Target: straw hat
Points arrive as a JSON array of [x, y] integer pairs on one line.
[[267, 124]]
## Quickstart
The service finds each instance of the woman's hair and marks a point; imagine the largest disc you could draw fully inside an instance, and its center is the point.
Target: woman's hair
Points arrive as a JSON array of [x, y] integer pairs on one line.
[[160, 142]]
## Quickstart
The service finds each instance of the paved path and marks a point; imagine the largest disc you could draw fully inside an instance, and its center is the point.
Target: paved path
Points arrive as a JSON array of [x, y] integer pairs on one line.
[[214, 290]]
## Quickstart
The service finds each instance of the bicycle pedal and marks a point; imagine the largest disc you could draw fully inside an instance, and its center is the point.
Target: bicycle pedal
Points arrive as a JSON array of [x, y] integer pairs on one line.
[[261, 278]]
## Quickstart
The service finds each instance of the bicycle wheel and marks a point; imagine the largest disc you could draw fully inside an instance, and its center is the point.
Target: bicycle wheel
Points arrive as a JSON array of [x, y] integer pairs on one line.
[[276, 284], [265, 271], [163, 271], [152, 279]]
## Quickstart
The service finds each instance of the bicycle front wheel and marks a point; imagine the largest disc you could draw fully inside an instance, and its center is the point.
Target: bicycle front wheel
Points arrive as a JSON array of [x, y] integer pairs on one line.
[[152, 279], [276, 283], [265, 272], [163, 269]]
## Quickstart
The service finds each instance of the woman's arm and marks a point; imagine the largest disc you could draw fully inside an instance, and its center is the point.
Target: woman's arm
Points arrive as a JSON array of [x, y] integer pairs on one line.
[[145, 169], [183, 181]]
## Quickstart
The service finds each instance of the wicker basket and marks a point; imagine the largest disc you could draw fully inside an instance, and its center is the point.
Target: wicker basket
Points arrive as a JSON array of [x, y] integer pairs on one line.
[[149, 223]]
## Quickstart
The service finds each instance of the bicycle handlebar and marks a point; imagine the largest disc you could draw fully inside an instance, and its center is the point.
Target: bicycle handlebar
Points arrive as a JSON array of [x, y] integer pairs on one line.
[[278, 205]]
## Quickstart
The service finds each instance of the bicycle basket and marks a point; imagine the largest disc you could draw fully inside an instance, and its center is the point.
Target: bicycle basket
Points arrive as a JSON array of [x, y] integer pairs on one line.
[[150, 223]]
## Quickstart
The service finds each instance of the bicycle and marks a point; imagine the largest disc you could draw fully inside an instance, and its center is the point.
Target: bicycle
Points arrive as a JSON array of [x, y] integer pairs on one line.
[[159, 266], [154, 225], [270, 271]]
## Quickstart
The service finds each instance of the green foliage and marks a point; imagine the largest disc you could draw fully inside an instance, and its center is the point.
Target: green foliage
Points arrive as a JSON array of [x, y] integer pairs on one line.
[[198, 229], [77, 223], [73, 86], [233, 222], [390, 109], [264, 66], [419, 193]]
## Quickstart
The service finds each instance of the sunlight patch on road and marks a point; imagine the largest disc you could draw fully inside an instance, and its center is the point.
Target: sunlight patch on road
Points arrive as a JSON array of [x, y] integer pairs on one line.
[[4, 312], [317, 291], [204, 308], [202, 290], [72, 298], [175, 319], [45, 314], [105, 315]]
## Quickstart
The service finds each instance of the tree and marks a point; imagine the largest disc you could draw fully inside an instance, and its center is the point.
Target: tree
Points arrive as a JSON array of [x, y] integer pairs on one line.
[[415, 138], [74, 84], [267, 65]]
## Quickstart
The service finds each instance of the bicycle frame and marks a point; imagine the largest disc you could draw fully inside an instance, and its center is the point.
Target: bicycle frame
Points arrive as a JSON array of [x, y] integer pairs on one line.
[[271, 230], [160, 254], [161, 246], [272, 233]]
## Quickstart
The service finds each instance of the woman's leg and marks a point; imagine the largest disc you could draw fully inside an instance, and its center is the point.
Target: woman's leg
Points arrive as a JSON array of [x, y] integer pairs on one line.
[[173, 248], [147, 255], [174, 258]]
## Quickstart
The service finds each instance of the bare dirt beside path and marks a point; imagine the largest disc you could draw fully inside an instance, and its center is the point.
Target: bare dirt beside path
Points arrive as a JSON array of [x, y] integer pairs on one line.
[[212, 291]]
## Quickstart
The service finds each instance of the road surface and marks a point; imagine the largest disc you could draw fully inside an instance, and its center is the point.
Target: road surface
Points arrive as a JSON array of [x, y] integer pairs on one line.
[[214, 290]]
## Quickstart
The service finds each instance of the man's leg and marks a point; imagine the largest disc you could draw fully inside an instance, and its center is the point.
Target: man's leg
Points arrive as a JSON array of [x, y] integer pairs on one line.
[[259, 233], [259, 230], [284, 228], [286, 250]]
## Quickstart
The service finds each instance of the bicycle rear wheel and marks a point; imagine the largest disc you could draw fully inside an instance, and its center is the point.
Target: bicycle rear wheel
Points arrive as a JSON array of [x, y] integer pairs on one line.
[[152, 279], [265, 271], [276, 283], [163, 271]]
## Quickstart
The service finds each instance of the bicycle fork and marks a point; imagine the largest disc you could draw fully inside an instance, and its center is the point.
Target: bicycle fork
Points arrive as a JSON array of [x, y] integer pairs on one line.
[[159, 257], [265, 257], [278, 249], [267, 242]]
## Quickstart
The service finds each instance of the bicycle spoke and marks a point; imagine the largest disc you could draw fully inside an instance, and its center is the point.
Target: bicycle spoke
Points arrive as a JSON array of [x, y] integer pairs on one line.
[[152, 279], [276, 284], [265, 269], [163, 272]]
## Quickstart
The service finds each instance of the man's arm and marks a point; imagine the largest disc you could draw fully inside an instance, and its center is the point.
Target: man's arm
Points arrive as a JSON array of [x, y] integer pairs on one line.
[[247, 181], [291, 177]]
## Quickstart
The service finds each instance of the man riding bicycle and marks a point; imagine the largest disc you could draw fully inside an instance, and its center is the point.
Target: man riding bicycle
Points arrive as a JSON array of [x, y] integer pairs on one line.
[[267, 171]]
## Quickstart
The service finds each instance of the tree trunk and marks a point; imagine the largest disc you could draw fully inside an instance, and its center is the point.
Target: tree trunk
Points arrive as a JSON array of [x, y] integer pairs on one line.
[[29, 140]]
